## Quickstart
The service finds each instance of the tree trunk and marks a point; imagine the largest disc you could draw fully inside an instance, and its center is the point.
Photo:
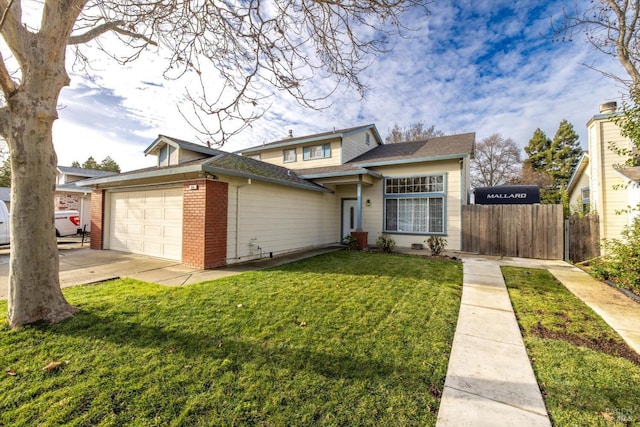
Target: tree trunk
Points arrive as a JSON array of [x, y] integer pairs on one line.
[[34, 285]]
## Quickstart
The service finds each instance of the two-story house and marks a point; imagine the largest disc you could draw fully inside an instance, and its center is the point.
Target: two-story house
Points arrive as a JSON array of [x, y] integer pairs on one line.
[[207, 207], [601, 183]]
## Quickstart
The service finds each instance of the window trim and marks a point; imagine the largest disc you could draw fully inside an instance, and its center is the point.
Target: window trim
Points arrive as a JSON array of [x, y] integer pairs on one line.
[[306, 152], [585, 201], [284, 155], [425, 195]]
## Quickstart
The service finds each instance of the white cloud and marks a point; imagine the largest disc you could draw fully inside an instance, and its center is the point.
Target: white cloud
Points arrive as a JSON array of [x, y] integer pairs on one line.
[[472, 66]]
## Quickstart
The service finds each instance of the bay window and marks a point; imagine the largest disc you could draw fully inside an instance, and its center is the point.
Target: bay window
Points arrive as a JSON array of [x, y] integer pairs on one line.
[[415, 205]]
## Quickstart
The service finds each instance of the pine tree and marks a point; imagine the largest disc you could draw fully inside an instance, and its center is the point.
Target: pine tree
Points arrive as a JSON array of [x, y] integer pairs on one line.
[[555, 158], [108, 164], [538, 151], [5, 173]]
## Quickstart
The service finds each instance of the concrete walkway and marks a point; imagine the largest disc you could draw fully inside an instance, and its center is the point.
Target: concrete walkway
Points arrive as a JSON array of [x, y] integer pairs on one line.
[[489, 381]]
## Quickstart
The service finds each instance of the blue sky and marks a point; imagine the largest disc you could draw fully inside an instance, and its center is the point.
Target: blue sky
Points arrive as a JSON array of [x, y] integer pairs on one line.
[[483, 67]]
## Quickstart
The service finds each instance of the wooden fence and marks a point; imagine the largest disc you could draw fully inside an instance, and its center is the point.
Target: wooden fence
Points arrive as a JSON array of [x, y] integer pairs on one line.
[[583, 237], [526, 231]]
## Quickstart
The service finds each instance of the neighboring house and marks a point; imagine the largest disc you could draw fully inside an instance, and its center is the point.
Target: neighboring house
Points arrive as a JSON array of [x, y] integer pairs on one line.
[[601, 184], [206, 207], [71, 196]]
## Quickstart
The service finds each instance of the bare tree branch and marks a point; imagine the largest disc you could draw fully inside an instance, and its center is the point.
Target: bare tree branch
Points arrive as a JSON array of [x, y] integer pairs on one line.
[[115, 26]]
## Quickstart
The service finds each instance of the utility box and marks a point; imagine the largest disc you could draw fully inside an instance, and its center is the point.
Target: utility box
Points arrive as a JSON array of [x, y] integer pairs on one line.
[[507, 195]]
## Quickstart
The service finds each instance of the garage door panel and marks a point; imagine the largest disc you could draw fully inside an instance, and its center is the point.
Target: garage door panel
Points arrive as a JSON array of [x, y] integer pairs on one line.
[[153, 213], [173, 232], [147, 222]]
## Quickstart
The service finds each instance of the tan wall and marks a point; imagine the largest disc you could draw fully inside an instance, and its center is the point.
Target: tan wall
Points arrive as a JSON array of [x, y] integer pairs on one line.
[[575, 197], [355, 145], [372, 216], [186, 156], [275, 157], [606, 200], [277, 219]]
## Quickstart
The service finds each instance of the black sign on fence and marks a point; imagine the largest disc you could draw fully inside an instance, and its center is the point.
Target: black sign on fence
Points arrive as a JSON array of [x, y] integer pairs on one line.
[[507, 195]]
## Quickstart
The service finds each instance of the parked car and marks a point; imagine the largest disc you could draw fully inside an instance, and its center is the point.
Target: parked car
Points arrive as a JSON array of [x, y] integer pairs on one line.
[[67, 223], [4, 224]]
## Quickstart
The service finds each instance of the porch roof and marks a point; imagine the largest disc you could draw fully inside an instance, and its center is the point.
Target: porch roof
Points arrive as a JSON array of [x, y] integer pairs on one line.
[[335, 171]]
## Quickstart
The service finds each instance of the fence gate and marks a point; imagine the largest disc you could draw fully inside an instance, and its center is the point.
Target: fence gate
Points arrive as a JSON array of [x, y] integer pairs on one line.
[[582, 237], [526, 231]]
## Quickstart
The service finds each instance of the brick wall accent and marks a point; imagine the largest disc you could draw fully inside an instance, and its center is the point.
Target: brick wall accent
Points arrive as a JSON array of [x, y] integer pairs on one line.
[[204, 223], [97, 219], [67, 201]]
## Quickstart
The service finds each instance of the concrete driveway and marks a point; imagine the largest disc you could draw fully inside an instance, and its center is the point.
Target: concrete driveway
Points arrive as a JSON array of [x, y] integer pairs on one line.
[[80, 265]]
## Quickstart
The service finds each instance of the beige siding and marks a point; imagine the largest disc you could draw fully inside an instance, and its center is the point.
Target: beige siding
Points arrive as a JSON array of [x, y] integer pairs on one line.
[[575, 197], [188, 155], [277, 219], [356, 144], [372, 216], [275, 156], [606, 199]]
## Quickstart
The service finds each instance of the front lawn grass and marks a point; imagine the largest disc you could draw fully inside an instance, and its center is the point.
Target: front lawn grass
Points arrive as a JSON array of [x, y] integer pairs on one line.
[[589, 376], [347, 338]]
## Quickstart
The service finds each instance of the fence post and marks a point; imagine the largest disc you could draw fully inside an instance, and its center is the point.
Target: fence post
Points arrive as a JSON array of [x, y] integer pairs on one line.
[[566, 239]]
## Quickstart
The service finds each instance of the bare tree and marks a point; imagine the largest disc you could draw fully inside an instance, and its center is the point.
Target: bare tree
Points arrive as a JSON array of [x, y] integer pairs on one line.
[[497, 162], [612, 28], [415, 132], [249, 45]]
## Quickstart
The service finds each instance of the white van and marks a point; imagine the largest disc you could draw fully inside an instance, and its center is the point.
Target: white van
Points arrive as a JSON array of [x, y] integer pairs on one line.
[[4, 224], [67, 223]]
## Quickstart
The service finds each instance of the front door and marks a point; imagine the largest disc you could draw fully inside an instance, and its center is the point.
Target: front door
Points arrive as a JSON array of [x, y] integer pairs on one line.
[[348, 216]]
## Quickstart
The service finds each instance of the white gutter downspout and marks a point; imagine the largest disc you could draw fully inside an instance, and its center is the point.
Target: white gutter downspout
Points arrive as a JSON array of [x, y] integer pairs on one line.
[[238, 187], [359, 205]]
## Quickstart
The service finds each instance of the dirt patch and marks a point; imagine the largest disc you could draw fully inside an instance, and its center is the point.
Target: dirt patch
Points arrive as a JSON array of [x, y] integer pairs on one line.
[[604, 345]]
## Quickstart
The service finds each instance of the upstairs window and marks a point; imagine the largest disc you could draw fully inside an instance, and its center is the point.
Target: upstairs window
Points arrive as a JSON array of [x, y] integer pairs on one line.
[[255, 157], [316, 152], [289, 155], [585, 196]]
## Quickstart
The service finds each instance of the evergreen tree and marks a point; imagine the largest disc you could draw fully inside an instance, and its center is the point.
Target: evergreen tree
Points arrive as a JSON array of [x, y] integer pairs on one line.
[[538, 151], [555, 159], [108, 164], [91, 163], [5, 173]]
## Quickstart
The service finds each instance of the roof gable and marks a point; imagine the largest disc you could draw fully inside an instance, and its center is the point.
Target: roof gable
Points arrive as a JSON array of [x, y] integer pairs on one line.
[[199, 151], [315, 138]]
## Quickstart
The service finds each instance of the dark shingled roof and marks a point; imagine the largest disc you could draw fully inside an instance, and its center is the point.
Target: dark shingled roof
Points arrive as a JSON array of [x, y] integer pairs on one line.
[[251, 168], [443, 146], [330, 169], [198, 148], [89, 173]]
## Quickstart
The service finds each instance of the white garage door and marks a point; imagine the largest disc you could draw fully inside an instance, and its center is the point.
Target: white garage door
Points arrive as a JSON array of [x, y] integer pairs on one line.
[[147, 222]]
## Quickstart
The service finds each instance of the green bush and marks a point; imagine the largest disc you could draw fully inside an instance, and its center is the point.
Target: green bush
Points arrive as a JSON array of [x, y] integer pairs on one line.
[[386, 243], [436, 244], [351, 242], [622, 263]]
